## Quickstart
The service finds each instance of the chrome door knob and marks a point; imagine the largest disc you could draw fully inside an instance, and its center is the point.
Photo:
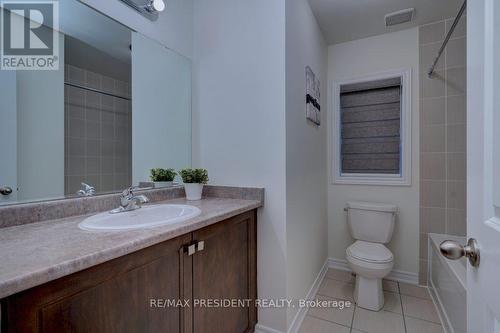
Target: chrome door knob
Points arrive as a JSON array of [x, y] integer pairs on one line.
[[5, 190], [454, 250]]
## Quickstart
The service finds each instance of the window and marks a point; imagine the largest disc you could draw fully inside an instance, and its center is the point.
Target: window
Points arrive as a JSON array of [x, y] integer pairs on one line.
[[372, 122]]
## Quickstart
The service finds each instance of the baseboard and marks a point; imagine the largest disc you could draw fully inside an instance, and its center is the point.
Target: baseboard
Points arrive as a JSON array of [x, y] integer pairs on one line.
[[395, 275], [301, 314], [445, 320], [339, 264], [403, 276]]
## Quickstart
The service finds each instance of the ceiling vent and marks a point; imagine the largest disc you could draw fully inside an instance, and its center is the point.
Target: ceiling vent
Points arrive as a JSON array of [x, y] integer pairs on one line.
[[399, 17]]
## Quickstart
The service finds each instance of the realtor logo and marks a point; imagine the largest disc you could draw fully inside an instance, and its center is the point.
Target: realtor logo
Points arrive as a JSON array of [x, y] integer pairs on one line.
[[29, 35]]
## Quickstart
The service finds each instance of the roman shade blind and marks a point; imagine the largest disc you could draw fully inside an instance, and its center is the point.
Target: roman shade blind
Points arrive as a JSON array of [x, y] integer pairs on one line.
[[370, 124]]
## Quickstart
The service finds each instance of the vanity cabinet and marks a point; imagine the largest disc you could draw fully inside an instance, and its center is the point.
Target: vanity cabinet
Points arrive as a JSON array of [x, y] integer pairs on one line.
[[226, 270], [130, 293]]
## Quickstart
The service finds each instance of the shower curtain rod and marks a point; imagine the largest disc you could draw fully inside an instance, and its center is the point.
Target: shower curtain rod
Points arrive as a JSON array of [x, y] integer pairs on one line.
[[448, 36]]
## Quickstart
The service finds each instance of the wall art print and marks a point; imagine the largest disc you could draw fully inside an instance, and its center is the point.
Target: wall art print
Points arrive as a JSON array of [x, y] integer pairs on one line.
[[313, 97]]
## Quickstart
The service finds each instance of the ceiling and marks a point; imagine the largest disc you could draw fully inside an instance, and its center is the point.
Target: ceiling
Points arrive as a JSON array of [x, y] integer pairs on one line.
[[346, 20]]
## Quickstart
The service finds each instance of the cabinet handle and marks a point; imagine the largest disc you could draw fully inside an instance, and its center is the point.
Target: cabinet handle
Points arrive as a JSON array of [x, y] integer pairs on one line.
[[190, 249], [194, 247]]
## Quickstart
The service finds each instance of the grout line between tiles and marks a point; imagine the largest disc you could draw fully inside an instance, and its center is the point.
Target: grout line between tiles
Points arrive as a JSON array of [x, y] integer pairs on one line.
[[402, 309], [333, 297], [352, 319], [424, 298], [441, 41], [328, 321], [427, 321]]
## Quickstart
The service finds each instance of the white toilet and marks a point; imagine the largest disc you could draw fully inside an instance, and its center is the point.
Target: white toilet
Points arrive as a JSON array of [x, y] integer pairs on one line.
[[371, 224]]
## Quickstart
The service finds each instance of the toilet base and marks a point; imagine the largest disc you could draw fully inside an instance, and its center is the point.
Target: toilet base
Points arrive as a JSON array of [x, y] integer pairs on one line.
[[368, 293]]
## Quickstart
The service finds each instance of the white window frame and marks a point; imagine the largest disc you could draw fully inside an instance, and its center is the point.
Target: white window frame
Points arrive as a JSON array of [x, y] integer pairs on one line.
[[404, 177]]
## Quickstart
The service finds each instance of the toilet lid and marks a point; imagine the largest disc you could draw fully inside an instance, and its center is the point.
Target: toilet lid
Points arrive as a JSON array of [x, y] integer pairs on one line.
[[370, 252]]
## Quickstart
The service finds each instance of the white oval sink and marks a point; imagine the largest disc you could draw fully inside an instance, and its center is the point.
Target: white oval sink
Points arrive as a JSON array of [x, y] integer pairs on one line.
[[145, 217]]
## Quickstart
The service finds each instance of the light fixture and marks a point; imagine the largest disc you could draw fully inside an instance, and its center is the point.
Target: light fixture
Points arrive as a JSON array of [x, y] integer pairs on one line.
[[147, 8], [155, 6]]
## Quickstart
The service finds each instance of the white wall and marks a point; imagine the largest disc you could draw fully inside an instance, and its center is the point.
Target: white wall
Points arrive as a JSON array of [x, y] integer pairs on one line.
[[306, 162], [174, 27], [239, 119], [353, 60], [161, 125]]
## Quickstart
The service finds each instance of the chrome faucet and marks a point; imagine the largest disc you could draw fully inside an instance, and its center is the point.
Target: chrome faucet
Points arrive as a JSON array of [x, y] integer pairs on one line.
[[86, 191], [129, 201]]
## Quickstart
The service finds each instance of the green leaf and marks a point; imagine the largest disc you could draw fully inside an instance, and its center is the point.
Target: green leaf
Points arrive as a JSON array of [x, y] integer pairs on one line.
[[194, 176], [162, 175]]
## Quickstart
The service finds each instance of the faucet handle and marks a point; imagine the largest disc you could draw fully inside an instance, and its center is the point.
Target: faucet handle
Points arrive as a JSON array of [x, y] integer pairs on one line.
[[87, 187], [128, 192], [86, 190]]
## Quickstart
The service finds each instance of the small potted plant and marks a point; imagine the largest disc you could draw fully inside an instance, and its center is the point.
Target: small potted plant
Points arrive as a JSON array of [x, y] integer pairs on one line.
[[194, 179], [163, 177]]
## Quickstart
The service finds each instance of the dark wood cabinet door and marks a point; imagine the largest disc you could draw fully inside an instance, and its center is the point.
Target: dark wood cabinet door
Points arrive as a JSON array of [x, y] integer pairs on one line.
[[225, 270], [111, 297]]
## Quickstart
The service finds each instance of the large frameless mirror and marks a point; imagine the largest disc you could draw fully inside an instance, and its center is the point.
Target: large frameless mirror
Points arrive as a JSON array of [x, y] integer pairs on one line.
[[118, 105]]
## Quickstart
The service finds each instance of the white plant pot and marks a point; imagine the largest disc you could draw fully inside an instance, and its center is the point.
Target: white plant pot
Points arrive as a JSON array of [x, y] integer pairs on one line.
[[163, 184], [193, 191]]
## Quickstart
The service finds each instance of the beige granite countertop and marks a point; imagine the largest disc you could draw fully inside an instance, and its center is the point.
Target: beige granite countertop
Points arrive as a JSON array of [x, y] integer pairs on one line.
[[37, 253]]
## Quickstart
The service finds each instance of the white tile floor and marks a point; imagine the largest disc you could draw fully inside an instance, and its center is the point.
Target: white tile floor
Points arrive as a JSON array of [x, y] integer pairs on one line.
[[407, 309]]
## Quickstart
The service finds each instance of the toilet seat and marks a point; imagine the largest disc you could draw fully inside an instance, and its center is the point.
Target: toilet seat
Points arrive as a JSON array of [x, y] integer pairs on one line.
[[369, 252]]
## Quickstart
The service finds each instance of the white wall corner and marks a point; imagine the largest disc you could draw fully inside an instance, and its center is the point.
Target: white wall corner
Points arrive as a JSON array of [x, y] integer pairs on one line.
[[301, 314]]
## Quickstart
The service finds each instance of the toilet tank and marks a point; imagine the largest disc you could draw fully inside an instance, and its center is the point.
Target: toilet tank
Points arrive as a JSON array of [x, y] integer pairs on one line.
[[371, 222]]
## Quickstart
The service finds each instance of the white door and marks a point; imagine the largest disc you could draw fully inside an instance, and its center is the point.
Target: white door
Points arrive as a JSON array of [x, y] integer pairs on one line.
[[8, 137], [483, 163]]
